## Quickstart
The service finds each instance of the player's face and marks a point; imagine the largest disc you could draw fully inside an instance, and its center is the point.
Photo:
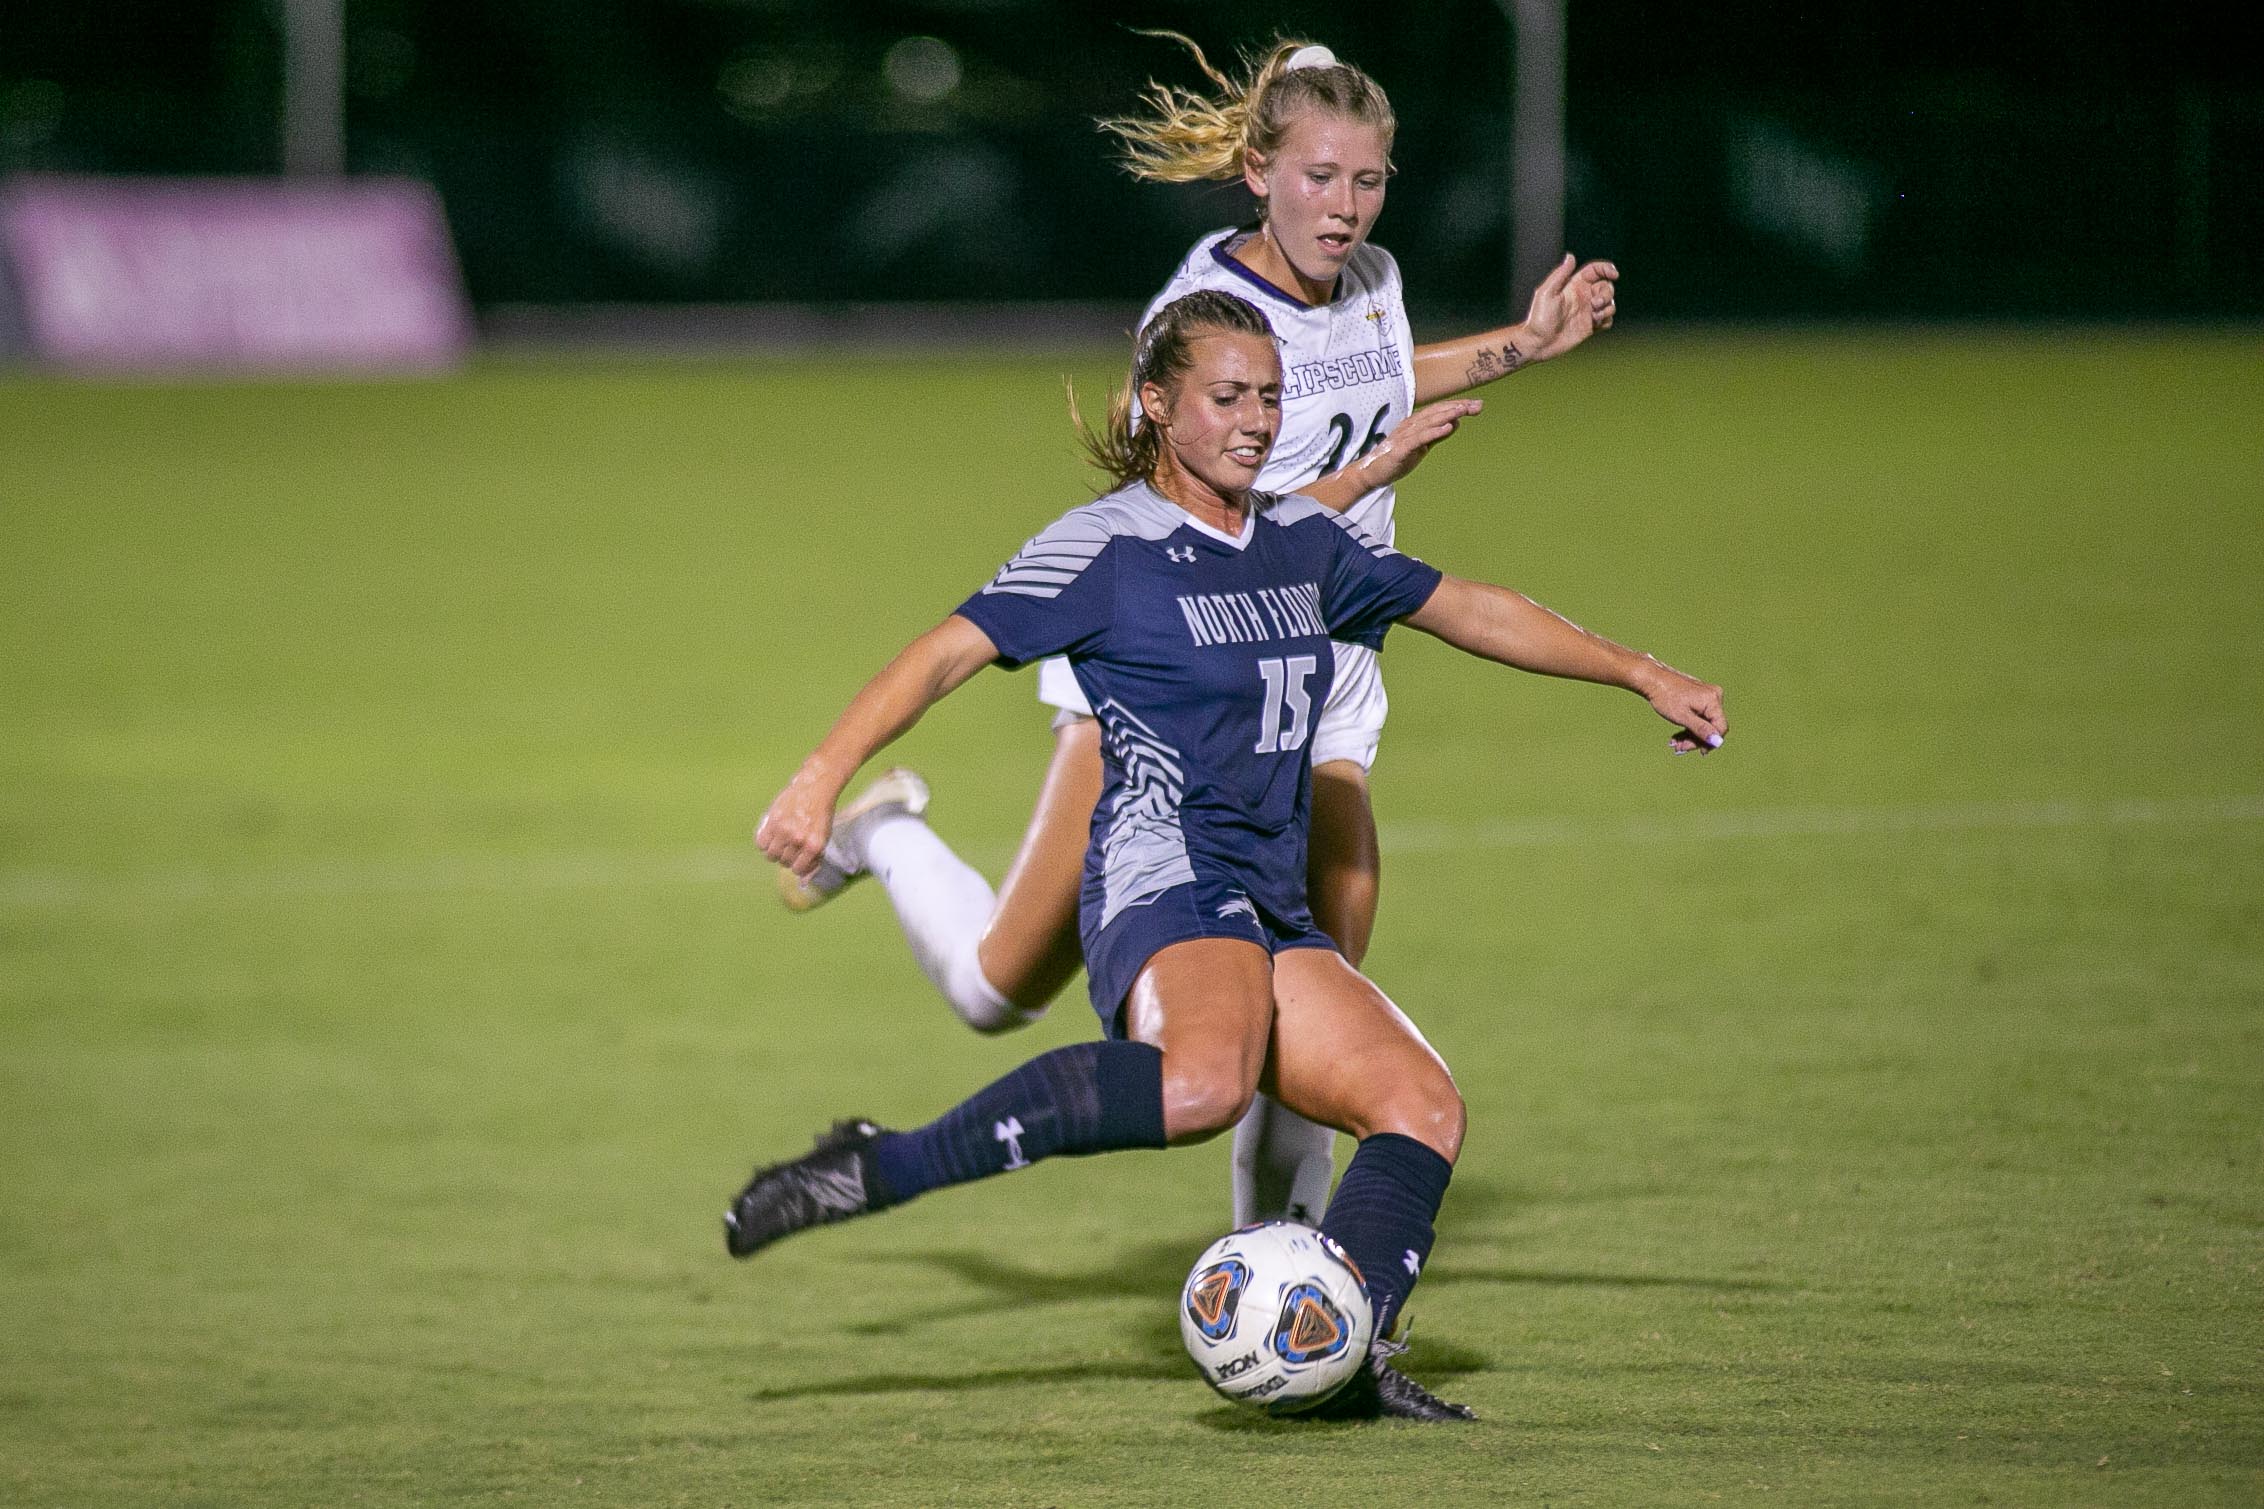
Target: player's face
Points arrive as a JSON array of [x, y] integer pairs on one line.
[[1219, 419], [1323, 188]]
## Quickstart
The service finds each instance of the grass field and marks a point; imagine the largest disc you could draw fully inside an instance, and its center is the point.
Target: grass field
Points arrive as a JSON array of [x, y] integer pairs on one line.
[[389, 1000]]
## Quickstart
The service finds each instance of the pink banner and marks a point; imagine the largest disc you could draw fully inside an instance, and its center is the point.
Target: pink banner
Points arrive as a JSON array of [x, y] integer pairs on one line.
[[120, 274]]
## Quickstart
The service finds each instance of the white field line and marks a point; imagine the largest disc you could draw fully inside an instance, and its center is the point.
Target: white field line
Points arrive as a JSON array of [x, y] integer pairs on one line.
[[27, 888], [1811, 822], [463, 874]]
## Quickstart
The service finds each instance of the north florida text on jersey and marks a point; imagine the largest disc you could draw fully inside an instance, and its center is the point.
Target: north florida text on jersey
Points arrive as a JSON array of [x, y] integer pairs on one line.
[[1252, 617]]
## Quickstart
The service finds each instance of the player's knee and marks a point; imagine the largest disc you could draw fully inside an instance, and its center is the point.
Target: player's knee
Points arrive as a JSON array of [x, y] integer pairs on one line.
[[1201, 1100], [1430, 1110], [1448, 1117]]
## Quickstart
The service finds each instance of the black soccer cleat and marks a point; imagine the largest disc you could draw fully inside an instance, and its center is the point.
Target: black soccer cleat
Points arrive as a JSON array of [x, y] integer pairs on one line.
[[831, 1182], [1380, 1391], [1400, 1397]]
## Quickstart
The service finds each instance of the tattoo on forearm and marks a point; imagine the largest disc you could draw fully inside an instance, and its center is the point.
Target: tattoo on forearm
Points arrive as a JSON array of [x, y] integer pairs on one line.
[[1489, 366]]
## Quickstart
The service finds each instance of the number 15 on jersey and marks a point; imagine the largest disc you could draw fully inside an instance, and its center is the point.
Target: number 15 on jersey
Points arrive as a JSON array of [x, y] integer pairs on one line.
[[1288, 717]]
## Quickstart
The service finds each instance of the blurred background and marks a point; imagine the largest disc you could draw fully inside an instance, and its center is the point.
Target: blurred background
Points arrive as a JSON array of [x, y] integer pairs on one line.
[[610, 168], [390, 998]]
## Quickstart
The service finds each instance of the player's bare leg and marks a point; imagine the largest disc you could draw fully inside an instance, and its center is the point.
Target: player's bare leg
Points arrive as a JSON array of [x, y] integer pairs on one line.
[[1208, 1005], [1283, 1163], [996, 958], [1344, 864], [1344, 1055], [1030, 950]]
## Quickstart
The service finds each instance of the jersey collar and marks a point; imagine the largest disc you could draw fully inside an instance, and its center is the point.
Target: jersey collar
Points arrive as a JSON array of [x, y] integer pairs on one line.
[[1221, 253], [1186, 520], [1239, 542]]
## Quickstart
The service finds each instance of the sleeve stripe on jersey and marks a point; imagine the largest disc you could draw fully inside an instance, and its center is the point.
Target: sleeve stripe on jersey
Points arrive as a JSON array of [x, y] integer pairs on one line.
[[1019, 571], [1376, 547], [1047, 582], [1052, 561]]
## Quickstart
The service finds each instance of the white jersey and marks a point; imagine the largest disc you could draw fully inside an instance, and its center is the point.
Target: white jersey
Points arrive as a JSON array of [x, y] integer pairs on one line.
[[1348, 376], [1347, 366]]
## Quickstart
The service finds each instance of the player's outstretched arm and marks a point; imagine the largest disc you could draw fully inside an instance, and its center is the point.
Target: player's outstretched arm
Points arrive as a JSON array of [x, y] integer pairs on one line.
[[800, 819], [1509, 627], [1399, 453], [1571, 304]]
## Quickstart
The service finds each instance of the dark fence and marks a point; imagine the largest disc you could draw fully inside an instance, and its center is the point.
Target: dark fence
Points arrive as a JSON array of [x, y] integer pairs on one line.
[[1739, 161]]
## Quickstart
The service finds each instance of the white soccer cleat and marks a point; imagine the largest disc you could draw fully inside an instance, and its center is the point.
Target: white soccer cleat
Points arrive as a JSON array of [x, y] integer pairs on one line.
[[897, 791]]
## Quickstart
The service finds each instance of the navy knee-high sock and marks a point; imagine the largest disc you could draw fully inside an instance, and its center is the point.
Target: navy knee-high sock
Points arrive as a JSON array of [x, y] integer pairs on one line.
[[1382, 1214], [1086, 1098]]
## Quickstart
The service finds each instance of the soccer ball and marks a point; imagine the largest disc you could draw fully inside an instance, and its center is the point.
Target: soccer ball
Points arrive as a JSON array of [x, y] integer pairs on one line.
[[1276, 1317]]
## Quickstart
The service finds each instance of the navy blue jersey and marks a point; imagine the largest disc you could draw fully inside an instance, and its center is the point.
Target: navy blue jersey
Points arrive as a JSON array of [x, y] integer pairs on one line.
[[1206, 659]]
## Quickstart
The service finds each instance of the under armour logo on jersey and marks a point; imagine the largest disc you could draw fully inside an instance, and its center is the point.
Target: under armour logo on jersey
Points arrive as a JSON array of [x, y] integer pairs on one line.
[[1412, 1263], [1240, 906], [1175, 552], [1009, 1132]]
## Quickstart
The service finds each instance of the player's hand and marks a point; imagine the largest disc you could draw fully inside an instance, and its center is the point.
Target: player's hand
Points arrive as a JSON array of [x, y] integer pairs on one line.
[[1694, 707], [1570, 305], [793, 832], [1401, 451]]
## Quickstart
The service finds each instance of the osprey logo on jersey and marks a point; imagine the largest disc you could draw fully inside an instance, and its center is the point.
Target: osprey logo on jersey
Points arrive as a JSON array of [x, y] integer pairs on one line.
[[1240, 906], [1175, 552]]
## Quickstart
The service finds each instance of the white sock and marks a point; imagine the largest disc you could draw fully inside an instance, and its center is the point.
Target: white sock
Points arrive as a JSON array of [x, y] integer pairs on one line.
[[943, 904], [1283, 1165]]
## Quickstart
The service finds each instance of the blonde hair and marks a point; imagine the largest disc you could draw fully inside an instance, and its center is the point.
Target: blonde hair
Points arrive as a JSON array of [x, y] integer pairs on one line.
[[1183, 136], [1130, 452]]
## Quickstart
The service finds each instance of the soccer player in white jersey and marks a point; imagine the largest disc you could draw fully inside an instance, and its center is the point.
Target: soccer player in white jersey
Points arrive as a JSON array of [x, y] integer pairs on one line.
[[1197, 613], [1311, 139]]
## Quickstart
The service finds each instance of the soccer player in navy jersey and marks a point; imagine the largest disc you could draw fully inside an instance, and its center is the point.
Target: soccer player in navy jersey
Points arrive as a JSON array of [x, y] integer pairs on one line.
[[1311, 138], [1197, 614]]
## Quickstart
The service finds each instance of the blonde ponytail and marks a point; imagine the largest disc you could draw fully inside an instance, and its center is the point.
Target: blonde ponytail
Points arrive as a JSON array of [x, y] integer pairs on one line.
[[1182, 136]]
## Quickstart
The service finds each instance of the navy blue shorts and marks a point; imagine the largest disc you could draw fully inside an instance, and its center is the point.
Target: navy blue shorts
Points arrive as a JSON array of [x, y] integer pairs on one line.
[[1209, 906]]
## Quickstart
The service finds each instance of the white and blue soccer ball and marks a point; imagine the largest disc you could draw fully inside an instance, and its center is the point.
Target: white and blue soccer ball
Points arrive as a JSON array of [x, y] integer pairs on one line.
[[1276, 1317]]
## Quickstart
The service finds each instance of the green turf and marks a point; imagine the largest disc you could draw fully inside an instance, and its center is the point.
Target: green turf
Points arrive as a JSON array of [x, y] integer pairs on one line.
[[388, 1000]]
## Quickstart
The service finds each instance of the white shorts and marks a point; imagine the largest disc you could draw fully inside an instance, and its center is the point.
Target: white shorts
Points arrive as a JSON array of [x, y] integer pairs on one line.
[[1352, 721]]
